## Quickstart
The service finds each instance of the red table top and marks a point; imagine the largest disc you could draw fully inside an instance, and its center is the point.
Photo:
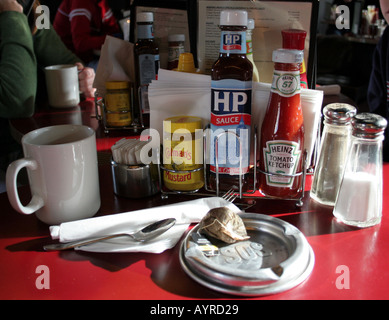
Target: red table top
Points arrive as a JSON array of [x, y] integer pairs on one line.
[[361, 256]]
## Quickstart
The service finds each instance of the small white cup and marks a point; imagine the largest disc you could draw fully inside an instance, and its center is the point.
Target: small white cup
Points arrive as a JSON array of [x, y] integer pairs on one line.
[[61, 163], [62, 85]]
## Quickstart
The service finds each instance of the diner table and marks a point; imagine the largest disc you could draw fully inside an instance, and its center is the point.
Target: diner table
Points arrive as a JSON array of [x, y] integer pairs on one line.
[[350, 262]]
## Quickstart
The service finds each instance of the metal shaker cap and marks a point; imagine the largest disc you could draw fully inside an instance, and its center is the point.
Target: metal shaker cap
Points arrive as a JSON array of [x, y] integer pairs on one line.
[[339, 113], [368, 125]]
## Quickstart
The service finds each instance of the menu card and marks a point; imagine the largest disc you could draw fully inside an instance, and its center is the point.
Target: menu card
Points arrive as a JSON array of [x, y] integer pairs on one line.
[[271, 17]]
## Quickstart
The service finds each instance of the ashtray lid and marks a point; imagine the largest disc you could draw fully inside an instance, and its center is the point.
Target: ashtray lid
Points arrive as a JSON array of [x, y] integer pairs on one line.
[[276, 258]]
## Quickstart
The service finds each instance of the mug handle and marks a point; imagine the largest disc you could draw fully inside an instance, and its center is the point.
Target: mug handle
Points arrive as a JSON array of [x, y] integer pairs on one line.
[[11, 185]]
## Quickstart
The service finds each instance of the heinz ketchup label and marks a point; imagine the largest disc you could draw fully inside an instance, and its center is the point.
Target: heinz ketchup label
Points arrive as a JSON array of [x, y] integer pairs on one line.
[[281, 157], [230, 125]]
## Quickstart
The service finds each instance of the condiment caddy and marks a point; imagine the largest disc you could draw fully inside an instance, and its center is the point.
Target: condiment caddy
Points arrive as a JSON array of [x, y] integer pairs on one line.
[[252, 191], [132, 122]]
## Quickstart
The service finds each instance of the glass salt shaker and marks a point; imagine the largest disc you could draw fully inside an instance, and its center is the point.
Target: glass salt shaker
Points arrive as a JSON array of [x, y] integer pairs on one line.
[[359, 201], [333, 151]]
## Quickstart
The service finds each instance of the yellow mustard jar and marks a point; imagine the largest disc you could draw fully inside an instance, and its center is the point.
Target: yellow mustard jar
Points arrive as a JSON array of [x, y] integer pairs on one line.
[[117, 104], [183, 153]]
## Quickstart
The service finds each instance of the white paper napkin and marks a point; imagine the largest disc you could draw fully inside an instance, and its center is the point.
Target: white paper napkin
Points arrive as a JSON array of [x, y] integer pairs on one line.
[[179, 93], [116, 63], [185, 213]]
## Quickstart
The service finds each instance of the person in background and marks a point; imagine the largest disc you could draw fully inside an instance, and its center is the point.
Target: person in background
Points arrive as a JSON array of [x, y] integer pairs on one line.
[[83, 26], [378, 90], [24, 52]]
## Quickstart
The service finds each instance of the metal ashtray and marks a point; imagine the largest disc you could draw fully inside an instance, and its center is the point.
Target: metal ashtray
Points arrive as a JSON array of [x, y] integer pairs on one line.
[[276, 258], [135, 181]]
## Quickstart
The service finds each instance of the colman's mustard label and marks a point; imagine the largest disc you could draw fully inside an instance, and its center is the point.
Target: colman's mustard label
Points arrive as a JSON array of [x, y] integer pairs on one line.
[[182, 154]]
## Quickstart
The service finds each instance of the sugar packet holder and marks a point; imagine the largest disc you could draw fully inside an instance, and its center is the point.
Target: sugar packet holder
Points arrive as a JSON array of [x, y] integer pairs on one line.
[[132, 178]]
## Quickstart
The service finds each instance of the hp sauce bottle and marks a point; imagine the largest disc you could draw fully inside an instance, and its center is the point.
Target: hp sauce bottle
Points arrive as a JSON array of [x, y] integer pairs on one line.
[[231, 89]]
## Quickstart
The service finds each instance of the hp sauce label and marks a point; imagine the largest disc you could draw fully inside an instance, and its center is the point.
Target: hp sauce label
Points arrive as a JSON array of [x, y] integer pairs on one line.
[[233, 42], [230, 126]]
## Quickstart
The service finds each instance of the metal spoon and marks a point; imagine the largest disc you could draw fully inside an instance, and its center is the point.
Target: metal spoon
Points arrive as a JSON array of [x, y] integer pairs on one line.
[[151, 231]]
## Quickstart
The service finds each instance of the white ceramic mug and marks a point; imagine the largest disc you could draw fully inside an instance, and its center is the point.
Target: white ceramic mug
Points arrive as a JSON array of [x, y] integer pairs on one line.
[[62, 85], [61, 163]]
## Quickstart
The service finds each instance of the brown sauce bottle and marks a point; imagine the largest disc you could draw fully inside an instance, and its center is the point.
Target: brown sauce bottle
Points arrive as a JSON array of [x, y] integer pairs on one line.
[[231, 105], [146, 55]]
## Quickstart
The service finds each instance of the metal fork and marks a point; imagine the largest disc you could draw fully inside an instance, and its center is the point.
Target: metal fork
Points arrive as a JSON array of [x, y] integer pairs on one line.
[[230, 196]]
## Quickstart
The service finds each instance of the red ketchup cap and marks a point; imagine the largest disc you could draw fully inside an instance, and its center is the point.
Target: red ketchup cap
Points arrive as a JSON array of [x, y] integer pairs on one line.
[[293, 39]]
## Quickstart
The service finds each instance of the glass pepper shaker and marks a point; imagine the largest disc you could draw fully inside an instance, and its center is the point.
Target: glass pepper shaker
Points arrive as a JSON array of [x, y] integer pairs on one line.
[[333, 151], [359, 201]]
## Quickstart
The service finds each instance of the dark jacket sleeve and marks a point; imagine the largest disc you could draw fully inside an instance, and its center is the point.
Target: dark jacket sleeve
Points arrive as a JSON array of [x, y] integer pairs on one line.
[[18, 66], [378, 87], [50, 50], [378, 91]]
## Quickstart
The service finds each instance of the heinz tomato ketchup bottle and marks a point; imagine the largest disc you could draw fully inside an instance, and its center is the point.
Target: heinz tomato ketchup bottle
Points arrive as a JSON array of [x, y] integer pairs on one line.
[[231, 88], [282, 132]]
